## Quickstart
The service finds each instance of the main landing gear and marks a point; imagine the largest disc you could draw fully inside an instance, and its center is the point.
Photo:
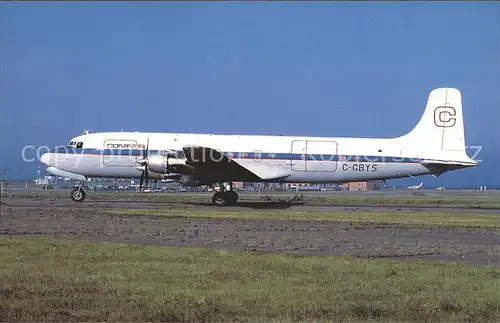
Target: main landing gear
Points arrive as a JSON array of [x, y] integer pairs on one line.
[[225, 197], [78, 194]]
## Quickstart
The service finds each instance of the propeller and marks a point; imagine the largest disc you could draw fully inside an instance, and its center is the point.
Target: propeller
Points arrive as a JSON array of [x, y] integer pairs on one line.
[[144, 162]]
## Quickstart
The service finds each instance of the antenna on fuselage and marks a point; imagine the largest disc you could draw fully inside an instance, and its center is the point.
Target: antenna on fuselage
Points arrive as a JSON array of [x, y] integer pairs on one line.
[[86, 131]]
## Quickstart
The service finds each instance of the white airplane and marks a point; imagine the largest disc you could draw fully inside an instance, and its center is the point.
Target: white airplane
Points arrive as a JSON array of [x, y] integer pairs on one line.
[[416, 187], [434, 146]]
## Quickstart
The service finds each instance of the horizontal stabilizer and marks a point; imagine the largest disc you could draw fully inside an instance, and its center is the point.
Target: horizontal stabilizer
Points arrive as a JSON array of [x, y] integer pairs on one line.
[[450, 162], [438, 167]]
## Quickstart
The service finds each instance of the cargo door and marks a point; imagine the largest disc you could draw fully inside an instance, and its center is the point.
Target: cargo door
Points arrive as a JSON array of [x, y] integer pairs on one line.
[[322, 156]]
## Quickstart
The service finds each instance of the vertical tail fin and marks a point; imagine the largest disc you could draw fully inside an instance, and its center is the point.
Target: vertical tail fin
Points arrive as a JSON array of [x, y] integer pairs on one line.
[[440, 132]]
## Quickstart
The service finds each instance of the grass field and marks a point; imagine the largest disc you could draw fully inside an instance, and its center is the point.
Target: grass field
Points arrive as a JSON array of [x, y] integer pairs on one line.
[[447, 219], [62, 280], [462, 200]]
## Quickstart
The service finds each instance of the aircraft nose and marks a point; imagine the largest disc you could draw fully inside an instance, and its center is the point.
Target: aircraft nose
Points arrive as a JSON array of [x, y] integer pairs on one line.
[[46, 159]]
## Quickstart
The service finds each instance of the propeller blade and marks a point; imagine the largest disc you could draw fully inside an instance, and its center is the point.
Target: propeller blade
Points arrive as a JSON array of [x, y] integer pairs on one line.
[[142, 179], [144, 163]]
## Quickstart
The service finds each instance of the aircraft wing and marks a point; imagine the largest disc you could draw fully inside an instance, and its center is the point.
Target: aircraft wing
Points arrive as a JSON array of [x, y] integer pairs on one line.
[[213, 166]]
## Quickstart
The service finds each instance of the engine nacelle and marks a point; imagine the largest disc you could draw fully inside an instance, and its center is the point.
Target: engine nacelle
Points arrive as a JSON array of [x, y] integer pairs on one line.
[[165, 164], [157, 164]]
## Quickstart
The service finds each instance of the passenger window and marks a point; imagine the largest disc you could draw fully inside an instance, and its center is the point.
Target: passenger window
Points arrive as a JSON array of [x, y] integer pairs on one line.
[[79, 145]]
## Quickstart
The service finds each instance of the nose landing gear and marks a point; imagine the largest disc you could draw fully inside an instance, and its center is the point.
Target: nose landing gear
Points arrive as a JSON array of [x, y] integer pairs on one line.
[[225, 197], [78, 194]]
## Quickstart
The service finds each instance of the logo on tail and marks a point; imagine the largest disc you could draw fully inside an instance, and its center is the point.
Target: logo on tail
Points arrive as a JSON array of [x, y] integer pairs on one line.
[[445, 117]]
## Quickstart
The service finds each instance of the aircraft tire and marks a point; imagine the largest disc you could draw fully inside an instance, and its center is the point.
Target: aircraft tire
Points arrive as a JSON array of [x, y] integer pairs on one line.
[[78, 194], [220, 199]]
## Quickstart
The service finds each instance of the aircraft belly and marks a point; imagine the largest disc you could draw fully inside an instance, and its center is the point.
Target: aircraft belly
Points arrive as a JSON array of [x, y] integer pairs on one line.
[[352, 171]]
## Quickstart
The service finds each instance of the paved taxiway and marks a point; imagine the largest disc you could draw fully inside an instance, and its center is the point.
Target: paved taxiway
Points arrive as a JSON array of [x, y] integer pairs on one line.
[[89, 220]]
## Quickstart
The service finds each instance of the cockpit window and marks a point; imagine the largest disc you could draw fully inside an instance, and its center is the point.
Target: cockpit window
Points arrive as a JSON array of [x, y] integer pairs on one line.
[[71, 144], [79, 145]]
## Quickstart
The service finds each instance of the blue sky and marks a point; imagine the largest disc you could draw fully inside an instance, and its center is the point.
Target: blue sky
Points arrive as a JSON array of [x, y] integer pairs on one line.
[[297, 68]]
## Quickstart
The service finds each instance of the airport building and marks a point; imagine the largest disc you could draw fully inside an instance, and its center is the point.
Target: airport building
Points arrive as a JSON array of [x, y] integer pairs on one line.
[[356, 186], [238, 185], [364, 186]]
